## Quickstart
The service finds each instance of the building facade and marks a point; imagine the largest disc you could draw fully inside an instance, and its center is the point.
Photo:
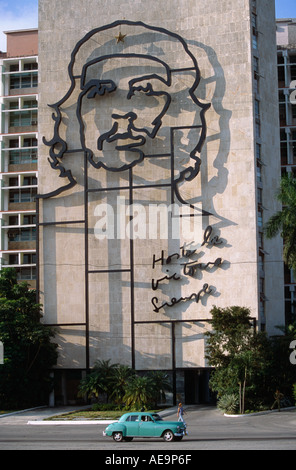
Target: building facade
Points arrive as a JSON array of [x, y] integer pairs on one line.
[[159, 154], [19, 153], [286, 41]]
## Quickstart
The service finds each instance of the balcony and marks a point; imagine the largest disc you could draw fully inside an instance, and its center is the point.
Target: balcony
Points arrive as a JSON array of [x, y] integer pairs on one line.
[[22, 199], [23, 121], [25, 82], [22, 238]]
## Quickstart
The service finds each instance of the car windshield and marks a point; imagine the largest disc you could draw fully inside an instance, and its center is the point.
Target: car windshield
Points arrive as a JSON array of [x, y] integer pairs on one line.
[[156, 417]]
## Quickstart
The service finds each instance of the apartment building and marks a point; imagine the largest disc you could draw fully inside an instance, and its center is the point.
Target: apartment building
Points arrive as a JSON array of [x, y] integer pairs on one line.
[[286, 44], [19, 153]]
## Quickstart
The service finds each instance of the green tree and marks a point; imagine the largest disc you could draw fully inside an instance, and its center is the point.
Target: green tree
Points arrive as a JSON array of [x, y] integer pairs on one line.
[[161, 384], [282, 372], [239, 354], [284, 221], [99, 381], [29, 352], [120, 379], [139, 392]]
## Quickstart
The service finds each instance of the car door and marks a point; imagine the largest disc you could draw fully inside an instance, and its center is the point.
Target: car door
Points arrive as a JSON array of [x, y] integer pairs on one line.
[[132, 425], [146, 426]]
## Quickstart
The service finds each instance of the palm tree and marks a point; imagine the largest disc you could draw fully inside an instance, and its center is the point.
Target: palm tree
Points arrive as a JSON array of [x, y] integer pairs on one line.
[[284, 221], [121, 377], [161, 384], [99, 381], [139, 392]]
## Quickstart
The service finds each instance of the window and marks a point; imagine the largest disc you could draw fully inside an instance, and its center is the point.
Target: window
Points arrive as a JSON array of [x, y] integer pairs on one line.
[[13, 220], [256, 73], [29, 258], [261, 262], [13, 181], [258, 151], [22, 235], [257, 109], [30, 181], [260, 239], [14, 67], [22, 195], [23, 80], [23, 118], [13, 143], [31, 66], [26, 273], [257, 130], [21, 157], [256, 66], [30, 142], [133, 418], [259, 174], [30, 104], [13, 259], [29, 219], [254, 31], [260, 218], [13, 105], [259, 196]]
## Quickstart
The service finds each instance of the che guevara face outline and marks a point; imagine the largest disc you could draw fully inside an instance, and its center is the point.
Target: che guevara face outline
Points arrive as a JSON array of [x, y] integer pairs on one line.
[[124, 134], [59, 146]]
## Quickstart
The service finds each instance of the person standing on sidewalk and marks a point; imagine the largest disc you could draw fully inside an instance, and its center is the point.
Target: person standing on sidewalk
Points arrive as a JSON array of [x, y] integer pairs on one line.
[[180, 414]]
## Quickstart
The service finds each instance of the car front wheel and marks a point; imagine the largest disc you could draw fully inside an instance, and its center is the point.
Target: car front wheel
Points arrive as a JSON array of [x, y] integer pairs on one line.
[[117, 436], [168, 436]]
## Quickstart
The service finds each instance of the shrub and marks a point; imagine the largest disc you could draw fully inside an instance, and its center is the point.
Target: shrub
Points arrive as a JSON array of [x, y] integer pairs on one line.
[[106, 407], [229, 403]]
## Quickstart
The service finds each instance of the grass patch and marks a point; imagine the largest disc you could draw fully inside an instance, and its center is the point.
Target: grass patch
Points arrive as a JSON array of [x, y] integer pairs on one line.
[[87, 414]]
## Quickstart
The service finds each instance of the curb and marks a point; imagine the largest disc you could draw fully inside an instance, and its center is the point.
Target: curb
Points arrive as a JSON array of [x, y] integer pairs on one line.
[[260, 413], [69, 422]]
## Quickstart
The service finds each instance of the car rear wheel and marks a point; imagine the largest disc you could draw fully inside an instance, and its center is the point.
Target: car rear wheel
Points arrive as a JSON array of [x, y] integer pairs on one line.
[[168, 436], [117, 436]]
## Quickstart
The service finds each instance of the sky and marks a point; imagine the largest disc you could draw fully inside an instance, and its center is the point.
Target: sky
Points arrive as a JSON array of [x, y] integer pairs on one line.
[[23, 14]]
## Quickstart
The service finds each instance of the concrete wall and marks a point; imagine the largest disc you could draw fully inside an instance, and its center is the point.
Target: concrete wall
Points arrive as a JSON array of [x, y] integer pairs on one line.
[[223, 194]]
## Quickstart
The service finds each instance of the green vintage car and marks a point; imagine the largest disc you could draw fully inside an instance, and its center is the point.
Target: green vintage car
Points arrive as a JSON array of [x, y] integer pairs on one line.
[[138, 424]]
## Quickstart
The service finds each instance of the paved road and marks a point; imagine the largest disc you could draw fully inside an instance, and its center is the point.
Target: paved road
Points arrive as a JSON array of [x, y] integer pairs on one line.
[[208, 430]]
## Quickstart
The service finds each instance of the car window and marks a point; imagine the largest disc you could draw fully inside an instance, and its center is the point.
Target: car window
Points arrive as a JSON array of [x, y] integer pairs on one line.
[[146, 418], [133, 418]]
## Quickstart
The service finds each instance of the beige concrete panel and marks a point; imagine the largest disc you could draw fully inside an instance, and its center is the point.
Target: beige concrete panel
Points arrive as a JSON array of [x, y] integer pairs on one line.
[[110, 317], [62, 288], [71, 347], [153, 347]]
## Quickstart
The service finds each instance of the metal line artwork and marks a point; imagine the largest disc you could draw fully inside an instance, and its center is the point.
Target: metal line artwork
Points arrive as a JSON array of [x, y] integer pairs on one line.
[[59, 147], [130, 141], [189, 269]]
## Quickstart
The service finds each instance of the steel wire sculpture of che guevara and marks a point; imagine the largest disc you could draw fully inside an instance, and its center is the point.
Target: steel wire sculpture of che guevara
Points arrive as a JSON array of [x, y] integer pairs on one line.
[[134, 116]]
